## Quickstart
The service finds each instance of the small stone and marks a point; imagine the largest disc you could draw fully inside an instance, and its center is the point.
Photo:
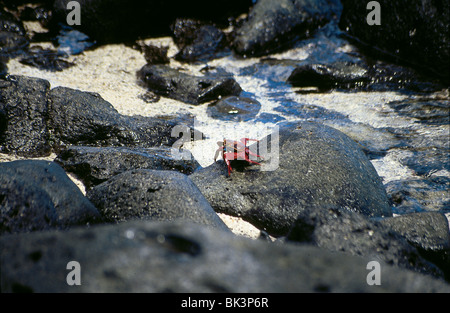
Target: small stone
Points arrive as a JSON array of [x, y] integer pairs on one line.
[[234, 108], [171, 83]]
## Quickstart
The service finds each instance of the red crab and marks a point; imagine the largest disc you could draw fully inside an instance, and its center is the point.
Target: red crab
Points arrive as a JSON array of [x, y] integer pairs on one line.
[[235, 150]]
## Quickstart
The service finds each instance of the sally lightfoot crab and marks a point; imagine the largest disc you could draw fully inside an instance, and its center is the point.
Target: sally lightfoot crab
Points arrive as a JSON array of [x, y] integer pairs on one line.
[[235, 150]]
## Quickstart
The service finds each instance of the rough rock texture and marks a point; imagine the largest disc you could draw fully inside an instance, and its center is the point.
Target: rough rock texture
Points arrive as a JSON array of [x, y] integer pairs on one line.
[[429, 233], [39, 195], [275, 25], [94, 165], [12, 34], [154, 195], [117, 20], [84, 118], [415, 32], [35, 120], [23, 116], [340, 230], [359, 76], [172, 83], [155, 55], [142, 256], [317, 166], [197, 41]]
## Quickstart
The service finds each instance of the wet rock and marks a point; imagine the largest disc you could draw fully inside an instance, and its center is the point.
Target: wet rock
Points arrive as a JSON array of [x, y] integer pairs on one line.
[[142, 256], [40, 13], [316, 166], [234, 109], [424, 110], [149, 97], [172, 83], [23, 116], [411, 31], [153, 195], [428, 161], [423, 194], [83, 118], [117, 21], [45, 59], [429, 233], [197, 41], [358, 76], [269, 118], [38, 195], [341, 230], [13, 37], [155, 55], [276, 25], [93, 165]]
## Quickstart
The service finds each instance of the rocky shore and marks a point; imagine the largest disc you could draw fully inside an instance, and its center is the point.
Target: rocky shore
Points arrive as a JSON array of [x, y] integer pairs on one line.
[[108, 132]]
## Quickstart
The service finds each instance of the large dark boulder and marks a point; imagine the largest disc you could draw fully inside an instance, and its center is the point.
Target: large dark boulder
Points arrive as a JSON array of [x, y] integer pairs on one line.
[[413, 32], [36, 195], [171, 83], [142, 256], [341, 230], [84, 118], [276, 25], [317, 166], [197, 41], [153, 195], [23, 116], [119, 20], [428, 232]]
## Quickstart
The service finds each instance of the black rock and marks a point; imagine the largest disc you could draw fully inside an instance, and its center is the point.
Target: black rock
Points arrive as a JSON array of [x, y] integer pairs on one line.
[[197, 41], [421, 194], [275, 25], [359, 76], [269, 118], [234, 109], [316, 166], [142, 256], [427, 230], [83, 118], [93, 165], [23, 116], [415, 32], [45, 59], [341, 230], [172, 83], [38, 195], [153, 195], [155, 55], [13, 37], [429, 233], [3, 68], [118, 21], [40, 13]]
